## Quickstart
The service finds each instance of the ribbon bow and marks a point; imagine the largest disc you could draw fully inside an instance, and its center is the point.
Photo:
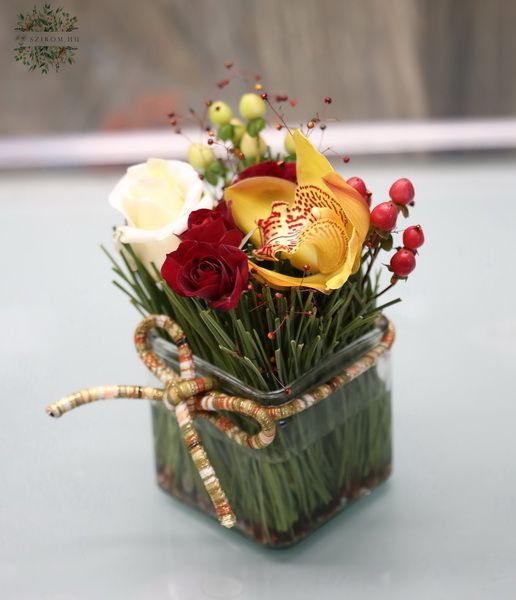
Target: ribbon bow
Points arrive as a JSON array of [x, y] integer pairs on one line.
[[189, 396]]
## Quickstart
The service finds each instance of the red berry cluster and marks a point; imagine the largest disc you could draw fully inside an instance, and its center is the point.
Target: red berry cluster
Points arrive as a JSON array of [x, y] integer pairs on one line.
[[385, 215], [383, 221], [404, 261]]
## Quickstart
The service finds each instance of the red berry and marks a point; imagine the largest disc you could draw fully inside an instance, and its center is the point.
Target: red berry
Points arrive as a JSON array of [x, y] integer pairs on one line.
[[403, 262], [402, 191], [384, 216], [358, 184], [413, 237]]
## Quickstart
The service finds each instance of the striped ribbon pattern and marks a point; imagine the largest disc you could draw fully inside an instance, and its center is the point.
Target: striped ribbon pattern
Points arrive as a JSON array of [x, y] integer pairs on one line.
[[189, 397]]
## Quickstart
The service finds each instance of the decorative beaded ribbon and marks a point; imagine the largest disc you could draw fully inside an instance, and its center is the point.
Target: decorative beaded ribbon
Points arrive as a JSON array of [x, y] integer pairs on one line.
[[189, 396]]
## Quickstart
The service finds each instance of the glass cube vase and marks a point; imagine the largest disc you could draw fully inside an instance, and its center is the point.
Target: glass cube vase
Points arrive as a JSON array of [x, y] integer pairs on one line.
[[321, 460]]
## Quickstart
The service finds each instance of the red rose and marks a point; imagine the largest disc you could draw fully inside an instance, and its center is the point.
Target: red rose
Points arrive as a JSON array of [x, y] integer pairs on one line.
[[216, 272], [202, 216], [213, 232], [205, 225], [270, 168]]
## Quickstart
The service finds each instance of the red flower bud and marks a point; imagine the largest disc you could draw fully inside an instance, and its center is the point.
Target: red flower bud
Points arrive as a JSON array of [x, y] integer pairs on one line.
[[203, 216], [271, 168], [413, 237], [384, 216], [402, 191], [403, 262]]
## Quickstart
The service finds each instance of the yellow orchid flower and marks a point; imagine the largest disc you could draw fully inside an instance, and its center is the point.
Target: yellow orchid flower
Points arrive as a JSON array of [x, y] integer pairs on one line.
[[319, 225]]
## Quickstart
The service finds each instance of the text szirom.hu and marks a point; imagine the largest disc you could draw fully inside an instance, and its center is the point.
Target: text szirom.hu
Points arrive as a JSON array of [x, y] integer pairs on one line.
[[47, 38]]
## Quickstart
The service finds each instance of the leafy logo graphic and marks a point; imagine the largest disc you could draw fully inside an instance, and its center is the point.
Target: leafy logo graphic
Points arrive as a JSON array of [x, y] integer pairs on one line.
[[45, 40]]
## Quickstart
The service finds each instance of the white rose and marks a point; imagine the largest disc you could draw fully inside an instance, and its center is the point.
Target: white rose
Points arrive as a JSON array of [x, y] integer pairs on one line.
[[156, 199]]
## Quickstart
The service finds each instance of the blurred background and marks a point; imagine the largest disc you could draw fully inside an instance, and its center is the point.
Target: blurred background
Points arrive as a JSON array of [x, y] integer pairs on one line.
[[396, 60]]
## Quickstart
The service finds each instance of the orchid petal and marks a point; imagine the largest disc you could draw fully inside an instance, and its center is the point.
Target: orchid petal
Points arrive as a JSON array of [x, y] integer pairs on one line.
[[279, 280], [312, 166], [352, 202]]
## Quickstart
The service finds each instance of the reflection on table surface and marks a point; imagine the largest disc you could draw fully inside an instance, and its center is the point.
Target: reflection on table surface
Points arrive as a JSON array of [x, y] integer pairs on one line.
[[81, 517]]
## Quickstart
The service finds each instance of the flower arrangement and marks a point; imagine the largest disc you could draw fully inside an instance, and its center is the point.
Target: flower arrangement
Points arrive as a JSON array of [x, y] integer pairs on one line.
[[251, 245], [264, 262]]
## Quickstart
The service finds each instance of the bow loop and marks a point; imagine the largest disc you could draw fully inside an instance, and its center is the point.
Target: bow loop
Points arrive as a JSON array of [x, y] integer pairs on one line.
[[213, 403], [184, 390]]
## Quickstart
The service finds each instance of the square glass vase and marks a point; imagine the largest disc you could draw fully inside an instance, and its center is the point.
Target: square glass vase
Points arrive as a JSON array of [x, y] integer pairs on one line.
[[321, 460]]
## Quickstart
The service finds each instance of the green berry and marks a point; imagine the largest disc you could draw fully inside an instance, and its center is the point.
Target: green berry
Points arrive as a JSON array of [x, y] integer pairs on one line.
[[252, 147], [200, 156], [220, 113], [251, 106], [238, 130], [290, 146]]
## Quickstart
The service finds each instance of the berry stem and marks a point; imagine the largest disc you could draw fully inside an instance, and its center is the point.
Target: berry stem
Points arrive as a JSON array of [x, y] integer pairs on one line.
[[278, 114], [374, 254], [393, 282]]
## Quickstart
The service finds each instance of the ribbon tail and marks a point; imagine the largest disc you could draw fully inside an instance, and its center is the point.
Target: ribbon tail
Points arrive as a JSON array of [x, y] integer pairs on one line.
[[103, 392], [202, 463], [225, 514]]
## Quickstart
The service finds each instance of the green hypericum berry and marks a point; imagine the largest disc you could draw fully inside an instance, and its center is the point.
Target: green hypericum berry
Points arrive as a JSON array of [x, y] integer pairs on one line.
[[200, 156], [252, 147], [290, 147], [238, 130], [220, 113], [251, 106]]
